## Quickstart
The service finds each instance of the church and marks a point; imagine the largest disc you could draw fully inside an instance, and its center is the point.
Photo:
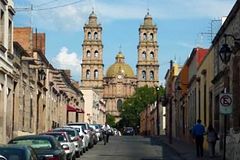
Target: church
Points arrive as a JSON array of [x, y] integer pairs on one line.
[[119, 81]]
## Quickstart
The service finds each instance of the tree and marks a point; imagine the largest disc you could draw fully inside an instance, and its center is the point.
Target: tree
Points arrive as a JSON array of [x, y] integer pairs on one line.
[[110, 119], [134, 105]]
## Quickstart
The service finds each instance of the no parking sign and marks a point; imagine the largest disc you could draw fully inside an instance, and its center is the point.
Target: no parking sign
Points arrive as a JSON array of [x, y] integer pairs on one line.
[[225, 102]]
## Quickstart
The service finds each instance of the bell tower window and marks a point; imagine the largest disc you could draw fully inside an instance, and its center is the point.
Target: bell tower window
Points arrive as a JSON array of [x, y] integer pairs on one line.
[[151, 75], [144, 55], [89, 35], [144, 75], [88, 53], [152, 55], [96, 54], [88, 74], [144, 36], [151, 36], [96, 74], [95, 35]]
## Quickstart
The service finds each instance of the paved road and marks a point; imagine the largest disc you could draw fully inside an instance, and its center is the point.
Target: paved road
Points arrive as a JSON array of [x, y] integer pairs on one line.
[[131, 148]]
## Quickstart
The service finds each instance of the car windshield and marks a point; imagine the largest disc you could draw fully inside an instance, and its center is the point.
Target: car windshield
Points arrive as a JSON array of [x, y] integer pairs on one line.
[[11, 154], [82, 125], [34, 143], [59, 137]]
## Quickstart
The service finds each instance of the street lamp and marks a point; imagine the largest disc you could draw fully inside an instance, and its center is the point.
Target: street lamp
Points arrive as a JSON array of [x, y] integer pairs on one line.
[[158, 122], [225, 53]]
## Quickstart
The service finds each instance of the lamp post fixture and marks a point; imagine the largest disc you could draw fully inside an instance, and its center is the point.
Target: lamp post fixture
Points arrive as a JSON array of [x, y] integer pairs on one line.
[[158, 121], [225, 53]]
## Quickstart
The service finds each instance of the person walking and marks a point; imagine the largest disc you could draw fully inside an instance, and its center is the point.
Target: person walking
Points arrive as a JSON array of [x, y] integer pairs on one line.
[[198, 133], [211, 138], [106, 128]]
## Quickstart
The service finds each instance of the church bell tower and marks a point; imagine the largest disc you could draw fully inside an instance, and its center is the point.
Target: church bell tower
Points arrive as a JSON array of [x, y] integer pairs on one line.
[[92, 55], [147, 65]]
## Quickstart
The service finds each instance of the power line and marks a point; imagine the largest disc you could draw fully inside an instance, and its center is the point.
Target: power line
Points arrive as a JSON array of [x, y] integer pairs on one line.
[[46, 3], [59, 6], [32, 8]]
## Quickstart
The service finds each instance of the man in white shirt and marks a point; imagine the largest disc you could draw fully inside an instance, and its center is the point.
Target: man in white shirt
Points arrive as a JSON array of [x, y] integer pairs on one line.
[[106, 129]]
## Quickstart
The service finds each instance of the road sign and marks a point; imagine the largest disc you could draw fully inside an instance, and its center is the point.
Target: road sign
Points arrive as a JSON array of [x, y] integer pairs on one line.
[[225, 102]]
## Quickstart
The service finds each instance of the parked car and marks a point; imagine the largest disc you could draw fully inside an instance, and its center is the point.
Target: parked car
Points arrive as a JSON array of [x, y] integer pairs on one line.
[[45, 146], [128, 131], [86, 129], [64, 139], [98, 130], [94, 133], [84, 135], [75, 138], [17, 152]]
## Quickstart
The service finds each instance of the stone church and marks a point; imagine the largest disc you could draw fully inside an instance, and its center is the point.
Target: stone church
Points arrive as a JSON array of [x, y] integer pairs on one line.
[[119, 81]]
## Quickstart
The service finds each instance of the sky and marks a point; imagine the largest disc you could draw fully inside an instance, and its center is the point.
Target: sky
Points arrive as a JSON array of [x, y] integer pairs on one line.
[[182, 25]]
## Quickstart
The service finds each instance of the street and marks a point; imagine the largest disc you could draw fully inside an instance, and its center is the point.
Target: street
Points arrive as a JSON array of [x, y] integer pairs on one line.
[[131, 148]]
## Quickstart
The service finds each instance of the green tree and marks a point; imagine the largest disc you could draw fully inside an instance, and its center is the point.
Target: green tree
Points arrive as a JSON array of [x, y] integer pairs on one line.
[[110, 119], [134, 105]]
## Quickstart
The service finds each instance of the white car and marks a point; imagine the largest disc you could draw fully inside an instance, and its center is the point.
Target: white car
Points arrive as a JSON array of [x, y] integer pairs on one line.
[[97, 130], [64, 139], [85, 137]]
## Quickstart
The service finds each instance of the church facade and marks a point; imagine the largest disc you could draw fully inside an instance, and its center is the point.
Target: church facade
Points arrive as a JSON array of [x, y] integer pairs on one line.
[[119, 81]]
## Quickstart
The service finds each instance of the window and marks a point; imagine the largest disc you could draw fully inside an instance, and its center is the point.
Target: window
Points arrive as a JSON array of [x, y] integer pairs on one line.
[[144, 75], [151, 75], [10, 36], [1, 26], [88, 53], [95, 35], [144, 36], [119, 105], [151, 36], [144, 55], [89, 35], [31, 112], [96, 74], [152, 55], [88, 74], [96, 54]]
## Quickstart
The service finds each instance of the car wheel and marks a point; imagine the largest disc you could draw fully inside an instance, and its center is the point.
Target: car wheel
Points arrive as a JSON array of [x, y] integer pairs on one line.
[[78, 154]]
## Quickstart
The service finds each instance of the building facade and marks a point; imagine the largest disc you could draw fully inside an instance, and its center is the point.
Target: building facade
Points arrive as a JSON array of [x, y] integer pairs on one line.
[[6, 69], [119, 82]]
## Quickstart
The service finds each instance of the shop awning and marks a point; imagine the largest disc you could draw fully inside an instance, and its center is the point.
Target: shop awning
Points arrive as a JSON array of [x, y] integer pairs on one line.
[[80, 110], [71, 108]]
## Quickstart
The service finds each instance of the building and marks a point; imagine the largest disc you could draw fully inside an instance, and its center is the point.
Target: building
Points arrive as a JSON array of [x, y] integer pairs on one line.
[[226, 77], [6, 69], [119, 81], [44, 97]]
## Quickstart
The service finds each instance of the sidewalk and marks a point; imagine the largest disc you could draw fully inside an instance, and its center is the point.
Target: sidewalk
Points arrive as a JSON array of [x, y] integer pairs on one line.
[[185, 150]]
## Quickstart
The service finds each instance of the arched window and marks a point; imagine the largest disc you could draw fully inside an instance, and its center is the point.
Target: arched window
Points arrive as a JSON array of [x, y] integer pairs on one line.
[[152, 55], [151, 36], [119, 105], [88, 74], [144, 36], [144, 75], [88, 53], [95, 35], [144, 55], [89, 35], [96, 74], [96, 54], [151, 75]]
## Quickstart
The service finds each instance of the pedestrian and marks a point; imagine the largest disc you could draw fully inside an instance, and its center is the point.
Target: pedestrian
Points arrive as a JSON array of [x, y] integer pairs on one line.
[[106, 129], [198, 133], [212, 137]]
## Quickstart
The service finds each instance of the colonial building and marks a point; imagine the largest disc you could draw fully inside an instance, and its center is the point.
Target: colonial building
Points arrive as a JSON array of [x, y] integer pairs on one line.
[[6, 69], [119, 81]]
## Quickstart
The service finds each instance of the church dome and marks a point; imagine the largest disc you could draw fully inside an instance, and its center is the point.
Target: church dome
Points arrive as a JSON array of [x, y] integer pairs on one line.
[[120, 67]]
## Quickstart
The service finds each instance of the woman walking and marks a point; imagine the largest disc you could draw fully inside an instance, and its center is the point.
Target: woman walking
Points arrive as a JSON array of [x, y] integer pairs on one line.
[[211, 138]]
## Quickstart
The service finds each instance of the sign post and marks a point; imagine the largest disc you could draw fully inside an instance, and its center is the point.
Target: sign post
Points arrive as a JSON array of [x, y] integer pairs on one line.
[[225, 102]]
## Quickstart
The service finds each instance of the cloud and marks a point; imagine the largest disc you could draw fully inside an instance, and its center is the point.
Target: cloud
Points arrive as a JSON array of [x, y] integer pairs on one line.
[[68, 60], [73, 17]]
